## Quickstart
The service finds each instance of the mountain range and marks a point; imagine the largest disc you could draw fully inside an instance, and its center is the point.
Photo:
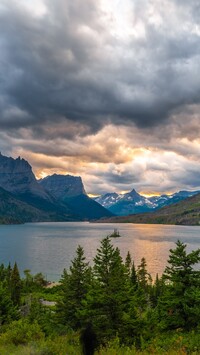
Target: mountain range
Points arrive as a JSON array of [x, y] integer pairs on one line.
[[185, 212], [55, 198], [133, 203], [23, 198]]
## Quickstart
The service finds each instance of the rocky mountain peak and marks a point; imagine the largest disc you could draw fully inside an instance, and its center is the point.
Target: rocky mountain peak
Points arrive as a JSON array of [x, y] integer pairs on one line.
[[132, 195], [62, 186], [9, 165], [16, 176]]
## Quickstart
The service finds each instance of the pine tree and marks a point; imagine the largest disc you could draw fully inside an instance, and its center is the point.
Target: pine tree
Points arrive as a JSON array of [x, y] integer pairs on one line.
[[39, 280], [133, 276], [15, 285], [8, 275], [143, 287], [8, 311], [103, 261], [74, 289], [180, 304], [28, 281], [128, 263], [144, 278], [156, 291], [108, 300]]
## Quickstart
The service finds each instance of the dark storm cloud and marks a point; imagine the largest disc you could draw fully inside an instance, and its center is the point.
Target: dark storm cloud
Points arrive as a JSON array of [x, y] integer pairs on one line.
[[67, 64], [108, 90]]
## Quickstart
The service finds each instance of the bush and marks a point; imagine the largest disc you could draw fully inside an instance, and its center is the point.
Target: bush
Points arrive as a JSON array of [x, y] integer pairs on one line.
[[21, 332]]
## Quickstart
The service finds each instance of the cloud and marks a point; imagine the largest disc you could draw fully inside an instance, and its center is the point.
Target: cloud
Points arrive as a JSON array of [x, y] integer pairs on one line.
[[108, 90], [68, 63]]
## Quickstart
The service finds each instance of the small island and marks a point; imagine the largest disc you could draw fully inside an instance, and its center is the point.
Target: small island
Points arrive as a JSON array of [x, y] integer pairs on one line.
[[115, 234]]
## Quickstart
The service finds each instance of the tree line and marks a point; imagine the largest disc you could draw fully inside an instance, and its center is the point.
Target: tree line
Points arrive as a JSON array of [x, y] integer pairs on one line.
[[111, 299]]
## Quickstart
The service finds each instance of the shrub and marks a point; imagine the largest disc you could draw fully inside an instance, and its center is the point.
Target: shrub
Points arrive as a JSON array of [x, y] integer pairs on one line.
[[21, 332]]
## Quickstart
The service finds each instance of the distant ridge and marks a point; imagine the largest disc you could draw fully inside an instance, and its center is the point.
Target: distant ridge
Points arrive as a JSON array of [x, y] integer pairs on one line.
[[133, 203], [186, 212]]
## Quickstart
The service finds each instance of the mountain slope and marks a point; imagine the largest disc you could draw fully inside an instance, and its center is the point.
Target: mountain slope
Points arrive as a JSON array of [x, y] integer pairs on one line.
[[13, 210], [186, 212]]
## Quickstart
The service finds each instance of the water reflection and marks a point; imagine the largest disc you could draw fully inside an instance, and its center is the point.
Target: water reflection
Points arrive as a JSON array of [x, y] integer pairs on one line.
[[49, 247]]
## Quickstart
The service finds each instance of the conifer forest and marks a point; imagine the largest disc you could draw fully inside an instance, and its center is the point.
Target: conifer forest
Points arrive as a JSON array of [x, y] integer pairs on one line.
[[110, 307]]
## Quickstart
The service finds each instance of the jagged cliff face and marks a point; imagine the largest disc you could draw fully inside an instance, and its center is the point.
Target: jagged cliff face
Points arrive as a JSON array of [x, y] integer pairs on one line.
[[55, 198], [16, 176], [69, 190], [63, 186]]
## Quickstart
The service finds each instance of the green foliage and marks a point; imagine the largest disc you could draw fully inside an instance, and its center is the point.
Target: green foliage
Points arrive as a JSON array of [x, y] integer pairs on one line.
[[103, 261], [8, 311], [156, 291], [108, 299], [179, 305], [128, 263], [133, 276], [74, 287], [59, 345], [15, 285], [21, 332], [28, 281], [117, 305], [143, 277], [43, 315], [39, 279]]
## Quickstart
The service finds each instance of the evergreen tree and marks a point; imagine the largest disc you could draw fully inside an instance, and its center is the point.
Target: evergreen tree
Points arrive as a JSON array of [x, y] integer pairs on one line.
[[2, 273], [103, 261], [15, 285], [143, 287], [133, 276], [28, 281], [118, 290], [8, 275], [128, 263], [8, 311], [74, 289], [143, 277], [39, 280], [180, 304], [108, 300], [156, 291]]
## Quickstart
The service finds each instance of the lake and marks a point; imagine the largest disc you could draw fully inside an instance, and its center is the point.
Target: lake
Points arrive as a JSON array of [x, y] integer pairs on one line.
[[49, 247]]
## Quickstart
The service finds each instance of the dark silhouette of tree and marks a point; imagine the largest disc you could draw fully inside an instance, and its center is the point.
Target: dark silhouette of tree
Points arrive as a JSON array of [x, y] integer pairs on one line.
[[88, 340], [8, 311], [15, 285]]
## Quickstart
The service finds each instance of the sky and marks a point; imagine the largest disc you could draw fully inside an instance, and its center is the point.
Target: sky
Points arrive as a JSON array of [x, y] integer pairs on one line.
[[106, 90]]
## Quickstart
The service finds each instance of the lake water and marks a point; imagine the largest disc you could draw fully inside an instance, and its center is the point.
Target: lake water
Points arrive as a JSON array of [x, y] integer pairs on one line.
[[49, 247]]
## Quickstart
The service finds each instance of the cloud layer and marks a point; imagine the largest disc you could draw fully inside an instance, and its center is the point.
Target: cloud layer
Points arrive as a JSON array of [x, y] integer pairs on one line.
[[106, 90]]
